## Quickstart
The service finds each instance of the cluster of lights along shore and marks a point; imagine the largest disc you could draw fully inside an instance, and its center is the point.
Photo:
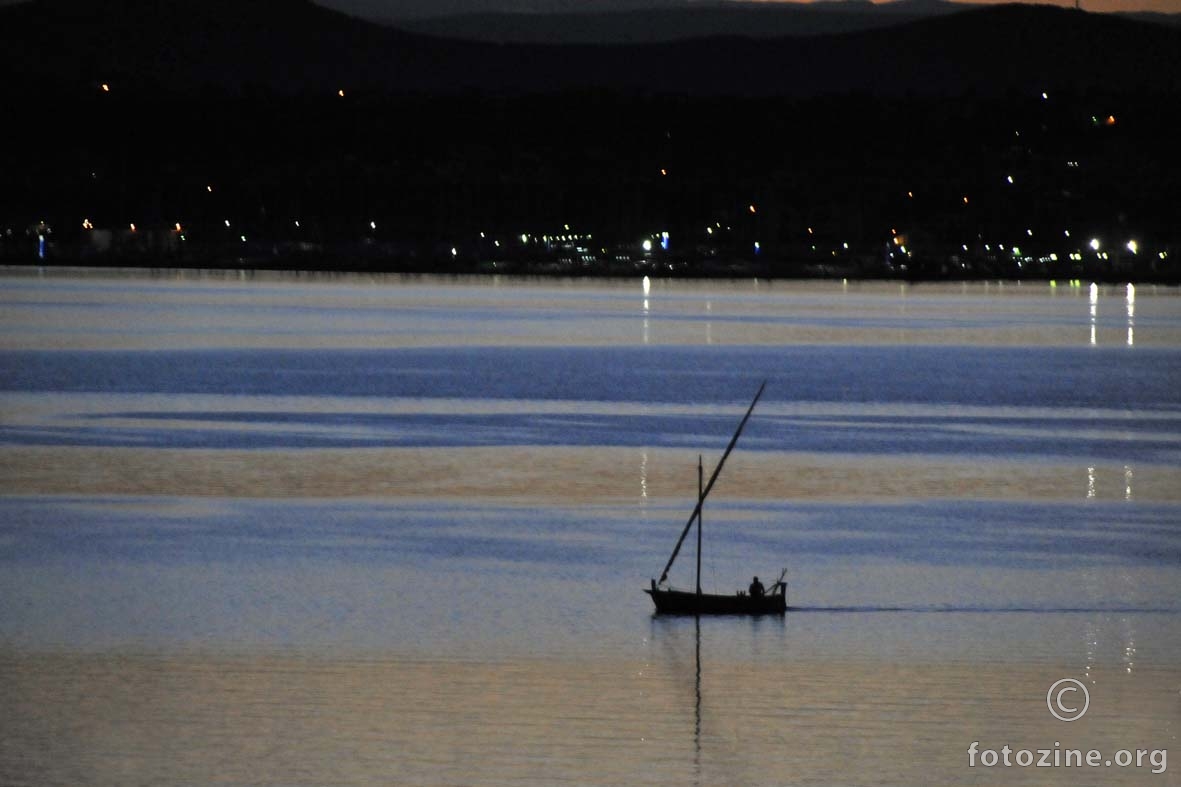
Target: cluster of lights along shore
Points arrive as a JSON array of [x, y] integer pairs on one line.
[[896, 244]]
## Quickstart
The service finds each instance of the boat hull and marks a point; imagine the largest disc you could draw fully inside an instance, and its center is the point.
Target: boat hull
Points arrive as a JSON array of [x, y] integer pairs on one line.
[[683, 602]]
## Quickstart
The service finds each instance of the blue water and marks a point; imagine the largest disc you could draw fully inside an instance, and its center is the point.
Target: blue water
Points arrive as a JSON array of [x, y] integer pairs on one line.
[[194, 590], [1119, 404], [545, 576], [1133, 378]]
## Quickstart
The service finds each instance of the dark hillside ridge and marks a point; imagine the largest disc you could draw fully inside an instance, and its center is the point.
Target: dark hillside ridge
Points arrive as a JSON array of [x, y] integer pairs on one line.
[[663, 23], [294, 47]]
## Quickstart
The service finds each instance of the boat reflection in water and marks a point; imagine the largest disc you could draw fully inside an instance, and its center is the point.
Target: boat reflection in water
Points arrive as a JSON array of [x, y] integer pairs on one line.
[[669, 601]]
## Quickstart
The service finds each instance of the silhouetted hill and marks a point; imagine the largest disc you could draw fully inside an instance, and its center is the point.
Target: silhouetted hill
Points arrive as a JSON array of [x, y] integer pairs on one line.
[[150, 48], [655, 24], [1171, 20], [183, 45], [422, 9]]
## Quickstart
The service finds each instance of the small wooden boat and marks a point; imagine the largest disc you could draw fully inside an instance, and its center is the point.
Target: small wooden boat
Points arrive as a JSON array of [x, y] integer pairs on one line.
[[670, 601], [687, 602]]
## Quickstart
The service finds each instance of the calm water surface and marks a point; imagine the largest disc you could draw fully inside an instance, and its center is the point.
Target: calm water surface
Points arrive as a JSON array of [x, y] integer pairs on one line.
[[352, 530]]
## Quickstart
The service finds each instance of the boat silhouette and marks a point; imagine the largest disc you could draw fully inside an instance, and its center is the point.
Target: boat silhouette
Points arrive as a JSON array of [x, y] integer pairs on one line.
[[671, 601]]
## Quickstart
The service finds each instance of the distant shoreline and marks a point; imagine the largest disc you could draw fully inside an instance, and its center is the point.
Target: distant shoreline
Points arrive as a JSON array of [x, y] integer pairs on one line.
[[734, 270]]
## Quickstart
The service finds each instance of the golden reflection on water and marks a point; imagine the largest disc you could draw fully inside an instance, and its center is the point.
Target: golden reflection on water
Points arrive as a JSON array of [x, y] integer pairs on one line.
[[670, 719], [559, 475]]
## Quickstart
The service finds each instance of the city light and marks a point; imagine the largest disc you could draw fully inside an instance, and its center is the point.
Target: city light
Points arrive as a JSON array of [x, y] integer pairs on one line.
[[340, 93], [752, 208], [86, 225], [1095, 244], [106, 88], [1133, 246], [647, 245], [1010, 179], [132, 225]]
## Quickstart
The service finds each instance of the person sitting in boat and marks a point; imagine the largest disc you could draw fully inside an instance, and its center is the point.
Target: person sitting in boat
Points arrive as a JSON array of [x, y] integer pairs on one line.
[[756, 588]]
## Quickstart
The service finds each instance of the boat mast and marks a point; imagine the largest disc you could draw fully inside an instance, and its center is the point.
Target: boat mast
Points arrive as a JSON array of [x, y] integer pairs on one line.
[[713, 478], [700, 500]]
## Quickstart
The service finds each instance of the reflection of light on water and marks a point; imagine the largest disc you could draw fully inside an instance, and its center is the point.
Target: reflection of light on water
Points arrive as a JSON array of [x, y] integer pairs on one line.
[[1127, 482], [1090, 483], [646, 285], [709, 326], [1131, 313], [1092, 636], [1094, 309], [644, 476]]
